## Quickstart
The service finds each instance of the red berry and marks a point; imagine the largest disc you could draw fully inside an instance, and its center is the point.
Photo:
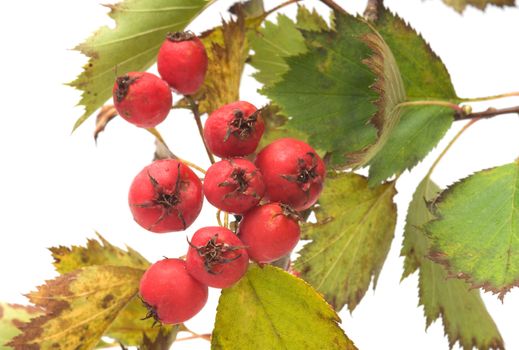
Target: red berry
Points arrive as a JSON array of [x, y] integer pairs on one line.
[[141, 98], [234, 130], [234, 185], [293, 173], [170, 293], [269, 232], [166, 196], [216, 257], [182, 62]]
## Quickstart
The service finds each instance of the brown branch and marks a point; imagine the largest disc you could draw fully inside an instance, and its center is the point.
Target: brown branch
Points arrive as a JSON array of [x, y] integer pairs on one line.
[[372, 10], [489, 113], [278, 7], [334, 6], [196, 113]]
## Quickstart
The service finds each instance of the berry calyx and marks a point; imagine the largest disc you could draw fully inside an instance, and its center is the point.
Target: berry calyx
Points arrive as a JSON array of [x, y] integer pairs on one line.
[[165, 196], [269, 231], [216, 257], [170, 293], [182, 62], [234, 130], [142, 99], [234, 185], [293, 172]]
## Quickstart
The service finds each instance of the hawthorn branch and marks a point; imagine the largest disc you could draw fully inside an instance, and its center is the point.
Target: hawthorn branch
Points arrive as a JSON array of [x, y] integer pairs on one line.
[[372, 10], [334, 6], [489, 113], [196, 113]]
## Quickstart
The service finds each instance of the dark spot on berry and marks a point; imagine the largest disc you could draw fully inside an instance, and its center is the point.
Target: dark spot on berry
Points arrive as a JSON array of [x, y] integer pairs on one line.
[[215, 253], [180, 36], [55, 346], [123, 86], [166, 199], [152, 313], [240, 126], [306, 175]]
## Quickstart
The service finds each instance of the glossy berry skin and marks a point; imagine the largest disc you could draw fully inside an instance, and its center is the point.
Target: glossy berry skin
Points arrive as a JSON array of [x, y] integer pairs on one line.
[[182, 62], [161, 200], [293, 173], [269, 232], [170, 293], [142, 99], [234, 185], [216, 257], [234, 130]]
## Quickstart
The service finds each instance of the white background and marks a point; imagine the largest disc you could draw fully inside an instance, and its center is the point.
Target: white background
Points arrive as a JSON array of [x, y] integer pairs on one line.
[[57, 188]]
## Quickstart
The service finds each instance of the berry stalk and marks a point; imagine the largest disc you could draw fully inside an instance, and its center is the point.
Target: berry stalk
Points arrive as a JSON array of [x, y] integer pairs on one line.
[[196, 114]]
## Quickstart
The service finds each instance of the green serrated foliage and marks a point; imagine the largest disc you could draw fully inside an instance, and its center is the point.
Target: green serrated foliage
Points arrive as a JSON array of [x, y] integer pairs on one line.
[[96, 252], [310, 20], [402, 68], [465, 317], [141, 26], [390, 88], [12, 316], [460, 5], [275, 127], [78, 308], [275, 42], [351, 239], [272, 309], [272, 44], [327, 90], [416, 129], [475, 233], [423, 72], [127, 328], [419, 129]]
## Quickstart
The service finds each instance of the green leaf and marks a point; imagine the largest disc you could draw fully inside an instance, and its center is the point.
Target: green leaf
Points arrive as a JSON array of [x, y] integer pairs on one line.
[[419, 129], [327, 90], [11, 316], [351, 239], [310, 20], [275, 127], [127, 328], [79, 307], [460, 5], [408, 133], [475, 233], [141, 26], [465, 317], [95, 253], [272, 44], [423, 72], [271, 309]]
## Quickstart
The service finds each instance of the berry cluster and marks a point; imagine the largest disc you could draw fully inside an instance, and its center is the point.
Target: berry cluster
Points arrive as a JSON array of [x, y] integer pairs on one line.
[[264, 194]]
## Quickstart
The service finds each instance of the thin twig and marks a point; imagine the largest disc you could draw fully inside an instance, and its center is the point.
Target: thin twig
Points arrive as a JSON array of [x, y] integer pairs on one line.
[[218, 218], [279, 7], [226, 220], [196, 114], [160, 139], [372, 10], [334, 6], [452, 142], [494, 97], [489, 113], [431, 103]]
